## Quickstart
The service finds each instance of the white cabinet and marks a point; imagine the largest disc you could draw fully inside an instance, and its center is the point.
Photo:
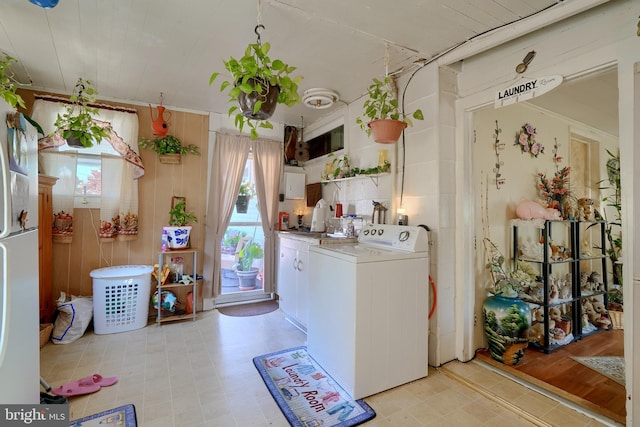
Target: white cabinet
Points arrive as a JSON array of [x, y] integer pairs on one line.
[[293, 279], [294, 185]]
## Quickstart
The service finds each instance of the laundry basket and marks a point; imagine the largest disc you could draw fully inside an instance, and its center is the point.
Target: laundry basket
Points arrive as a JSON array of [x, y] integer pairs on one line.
[[121, 298]]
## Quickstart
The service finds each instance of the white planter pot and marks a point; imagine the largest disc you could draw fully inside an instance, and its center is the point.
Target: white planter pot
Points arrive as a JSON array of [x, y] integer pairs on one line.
[[178, 236]]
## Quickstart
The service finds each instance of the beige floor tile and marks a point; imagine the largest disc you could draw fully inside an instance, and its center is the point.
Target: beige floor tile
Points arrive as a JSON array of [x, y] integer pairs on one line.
[[201, 374]]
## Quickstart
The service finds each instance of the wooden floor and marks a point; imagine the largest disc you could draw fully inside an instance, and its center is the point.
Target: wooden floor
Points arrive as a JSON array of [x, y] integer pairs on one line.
[[559, 374]]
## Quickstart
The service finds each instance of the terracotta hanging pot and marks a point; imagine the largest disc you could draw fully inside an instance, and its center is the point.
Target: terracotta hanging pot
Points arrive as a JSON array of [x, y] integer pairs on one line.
[[269, 99], [386, 131]]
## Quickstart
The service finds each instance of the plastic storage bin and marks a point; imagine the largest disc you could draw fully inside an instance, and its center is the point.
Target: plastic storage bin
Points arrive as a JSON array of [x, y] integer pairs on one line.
[[121, 298]]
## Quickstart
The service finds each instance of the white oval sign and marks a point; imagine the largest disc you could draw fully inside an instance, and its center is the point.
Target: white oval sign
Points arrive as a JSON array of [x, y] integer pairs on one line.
[[526, 89]]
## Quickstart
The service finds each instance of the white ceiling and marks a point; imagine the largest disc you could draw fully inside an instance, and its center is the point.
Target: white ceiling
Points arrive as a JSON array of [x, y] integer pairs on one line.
[[136, 50]]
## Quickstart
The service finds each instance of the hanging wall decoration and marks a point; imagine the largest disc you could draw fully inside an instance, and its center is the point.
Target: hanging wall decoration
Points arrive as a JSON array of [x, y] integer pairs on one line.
[[498, 146], [526, 139]]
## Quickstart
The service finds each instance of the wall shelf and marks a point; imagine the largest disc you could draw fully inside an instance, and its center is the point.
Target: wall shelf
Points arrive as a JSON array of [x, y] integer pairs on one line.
[[373, 177]]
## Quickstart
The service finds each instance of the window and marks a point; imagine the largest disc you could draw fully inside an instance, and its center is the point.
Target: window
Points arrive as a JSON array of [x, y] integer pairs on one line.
[[326, 143], [88, 186]]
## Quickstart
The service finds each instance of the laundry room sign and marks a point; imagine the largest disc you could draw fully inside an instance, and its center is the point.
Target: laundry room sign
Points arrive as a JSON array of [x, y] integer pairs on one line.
[[526, 89]]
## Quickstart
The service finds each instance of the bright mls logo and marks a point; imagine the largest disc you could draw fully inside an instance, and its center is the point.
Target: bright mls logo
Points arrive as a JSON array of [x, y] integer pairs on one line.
[[34, 415], [526, 89]]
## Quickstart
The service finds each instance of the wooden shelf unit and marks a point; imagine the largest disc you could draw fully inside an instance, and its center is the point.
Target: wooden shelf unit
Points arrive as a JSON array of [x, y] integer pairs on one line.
[[167, 317]]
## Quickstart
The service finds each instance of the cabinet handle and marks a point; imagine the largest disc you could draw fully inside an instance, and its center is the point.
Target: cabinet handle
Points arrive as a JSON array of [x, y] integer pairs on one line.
[[295, 263], [300, 265]]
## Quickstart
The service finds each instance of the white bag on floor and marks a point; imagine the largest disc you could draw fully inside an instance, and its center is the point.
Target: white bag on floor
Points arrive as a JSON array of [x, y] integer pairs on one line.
[[73, 318]]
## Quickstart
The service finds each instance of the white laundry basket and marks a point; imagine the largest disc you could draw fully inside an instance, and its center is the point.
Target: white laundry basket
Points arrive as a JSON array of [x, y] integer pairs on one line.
[[121, 298]]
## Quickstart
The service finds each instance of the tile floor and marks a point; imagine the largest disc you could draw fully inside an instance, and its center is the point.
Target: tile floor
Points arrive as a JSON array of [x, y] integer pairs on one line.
[[201, 374]]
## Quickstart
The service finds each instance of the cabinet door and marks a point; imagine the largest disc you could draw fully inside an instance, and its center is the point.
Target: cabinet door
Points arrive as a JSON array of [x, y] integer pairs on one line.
[[287, 274], [303, 287], [294, 185]]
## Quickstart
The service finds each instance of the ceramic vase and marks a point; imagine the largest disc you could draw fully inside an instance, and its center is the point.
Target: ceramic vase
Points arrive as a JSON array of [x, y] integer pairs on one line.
[[506, 327]]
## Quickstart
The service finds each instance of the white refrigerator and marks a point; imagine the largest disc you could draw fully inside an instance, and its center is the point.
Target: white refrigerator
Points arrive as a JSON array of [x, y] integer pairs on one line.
[[19, 323]]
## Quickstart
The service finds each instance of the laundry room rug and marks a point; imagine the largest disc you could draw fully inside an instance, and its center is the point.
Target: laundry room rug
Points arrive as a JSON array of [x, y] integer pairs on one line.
[[611, 367], [124, 416], [306, 394], [253, 309]]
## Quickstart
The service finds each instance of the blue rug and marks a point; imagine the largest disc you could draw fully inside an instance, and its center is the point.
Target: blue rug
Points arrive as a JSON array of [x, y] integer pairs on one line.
[[306, 394], [122, 416]]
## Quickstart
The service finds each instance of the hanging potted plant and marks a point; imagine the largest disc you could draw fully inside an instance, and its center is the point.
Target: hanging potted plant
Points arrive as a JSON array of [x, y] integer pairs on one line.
[[179, 229], [168, 148], [245, 193], [382, 116], [8, 83], [245, 270], [257, 84], [77, 125]]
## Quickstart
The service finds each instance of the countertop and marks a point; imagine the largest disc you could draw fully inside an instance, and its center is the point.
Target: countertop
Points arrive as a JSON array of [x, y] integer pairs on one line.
[[315, 237]]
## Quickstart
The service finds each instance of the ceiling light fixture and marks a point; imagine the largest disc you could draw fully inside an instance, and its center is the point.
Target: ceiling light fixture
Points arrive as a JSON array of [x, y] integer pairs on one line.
[[319, 98]]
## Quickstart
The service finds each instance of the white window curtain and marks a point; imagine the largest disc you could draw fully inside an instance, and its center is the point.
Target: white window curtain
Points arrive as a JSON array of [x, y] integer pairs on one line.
[[229, 158], [119, 200], [62, 166]]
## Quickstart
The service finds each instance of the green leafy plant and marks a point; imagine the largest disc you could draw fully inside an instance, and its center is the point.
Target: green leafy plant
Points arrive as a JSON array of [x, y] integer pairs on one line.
[[247, 189], [178, 216], [168, 144], [382, 104], [247, 255], [505, 281], [232, 238], [77, 121], [613, 228], [252, 74], [8, 83]]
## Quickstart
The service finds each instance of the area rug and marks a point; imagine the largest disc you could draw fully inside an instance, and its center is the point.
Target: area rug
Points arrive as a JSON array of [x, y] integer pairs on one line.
[[611, 367], [253, 309], [306, 394], [122, 416]]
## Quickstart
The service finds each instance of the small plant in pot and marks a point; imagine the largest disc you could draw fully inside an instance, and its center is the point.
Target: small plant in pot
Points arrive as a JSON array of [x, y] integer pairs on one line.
[[382, 116], [245, 270], [257, 84], [169, 148], [77, 125], [245, 193], [179, 229]]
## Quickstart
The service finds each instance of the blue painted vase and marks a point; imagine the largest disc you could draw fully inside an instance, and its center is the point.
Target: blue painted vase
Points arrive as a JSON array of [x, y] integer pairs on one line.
[[506, 327]]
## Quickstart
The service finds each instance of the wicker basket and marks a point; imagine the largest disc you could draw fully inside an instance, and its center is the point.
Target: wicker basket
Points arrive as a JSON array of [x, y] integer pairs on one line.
[[564, 324], [617, 319], [45, 333]]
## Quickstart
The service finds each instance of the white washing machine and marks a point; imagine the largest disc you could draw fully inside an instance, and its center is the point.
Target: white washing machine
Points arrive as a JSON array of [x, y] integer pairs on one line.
[[368, 308]]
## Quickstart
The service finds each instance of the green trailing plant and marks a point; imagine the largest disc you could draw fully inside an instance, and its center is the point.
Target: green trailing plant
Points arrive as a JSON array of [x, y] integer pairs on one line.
[[382, 104], [179, 217], [252, 73], [613, 228], [247, 255], [77, 121], [168, 144], [8, 83]]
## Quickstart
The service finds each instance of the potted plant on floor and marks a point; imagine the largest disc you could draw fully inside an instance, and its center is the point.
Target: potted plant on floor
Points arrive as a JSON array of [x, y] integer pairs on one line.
[[245, 194], [169, 148], [179, 229], [77, 125], [245, 270], [382, 116], [507, 318], [257, 84]]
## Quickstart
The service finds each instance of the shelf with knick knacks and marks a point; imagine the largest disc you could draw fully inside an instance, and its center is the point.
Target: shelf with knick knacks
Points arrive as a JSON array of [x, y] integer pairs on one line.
[[569, 297], [167, 304]]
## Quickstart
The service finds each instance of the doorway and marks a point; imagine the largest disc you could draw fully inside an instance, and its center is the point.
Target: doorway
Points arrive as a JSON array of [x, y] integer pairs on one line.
[[504, 173], [242, 247]]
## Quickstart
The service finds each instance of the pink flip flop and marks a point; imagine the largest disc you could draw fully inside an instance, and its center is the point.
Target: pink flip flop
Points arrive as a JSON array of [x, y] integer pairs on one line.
[[98, 380], [85, 385], [74, 388]]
